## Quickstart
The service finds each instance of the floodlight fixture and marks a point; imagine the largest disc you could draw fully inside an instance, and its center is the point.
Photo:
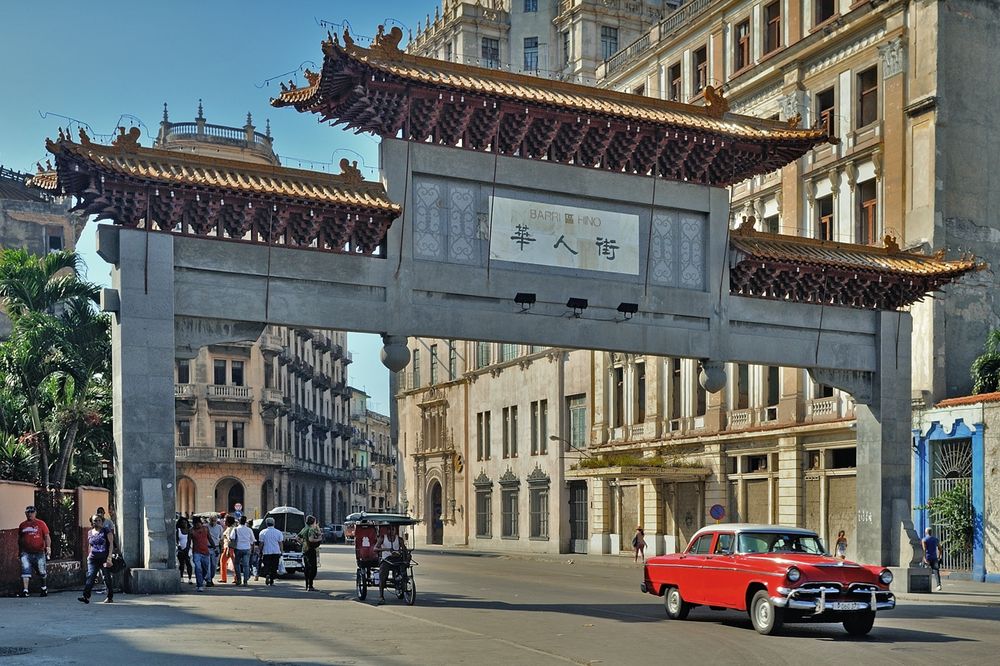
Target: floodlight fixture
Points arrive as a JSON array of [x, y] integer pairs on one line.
[[628, 309], [525, 299], [578, 305]]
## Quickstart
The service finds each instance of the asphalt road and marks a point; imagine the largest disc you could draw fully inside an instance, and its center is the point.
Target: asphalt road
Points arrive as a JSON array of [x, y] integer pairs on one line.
[[470, 610]]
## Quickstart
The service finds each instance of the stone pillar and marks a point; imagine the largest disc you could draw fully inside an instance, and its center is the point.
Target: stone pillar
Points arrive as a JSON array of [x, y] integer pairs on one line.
[[789, 481], [142, 343], [893, 176], [600, 539], [884, 436]]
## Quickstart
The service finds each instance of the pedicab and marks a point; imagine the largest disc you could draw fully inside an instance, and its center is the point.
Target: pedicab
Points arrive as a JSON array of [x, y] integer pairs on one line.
[[369, 528]]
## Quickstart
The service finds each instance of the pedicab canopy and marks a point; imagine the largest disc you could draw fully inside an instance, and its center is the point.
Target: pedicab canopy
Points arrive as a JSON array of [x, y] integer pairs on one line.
[[363, 518]]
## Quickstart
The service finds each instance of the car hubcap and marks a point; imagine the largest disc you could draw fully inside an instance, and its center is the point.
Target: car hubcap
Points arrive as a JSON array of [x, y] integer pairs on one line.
[[673, 602], [763, 614]]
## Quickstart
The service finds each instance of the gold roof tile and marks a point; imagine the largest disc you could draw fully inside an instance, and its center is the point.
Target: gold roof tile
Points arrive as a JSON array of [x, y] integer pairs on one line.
[[186, 168]]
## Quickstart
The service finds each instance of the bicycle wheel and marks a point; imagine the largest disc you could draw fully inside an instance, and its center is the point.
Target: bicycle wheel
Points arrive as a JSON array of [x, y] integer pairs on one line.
[[409, 589], [362, 584]]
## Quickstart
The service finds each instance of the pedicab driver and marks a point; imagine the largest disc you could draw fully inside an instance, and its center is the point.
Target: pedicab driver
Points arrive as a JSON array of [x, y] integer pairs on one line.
[[390, 547]]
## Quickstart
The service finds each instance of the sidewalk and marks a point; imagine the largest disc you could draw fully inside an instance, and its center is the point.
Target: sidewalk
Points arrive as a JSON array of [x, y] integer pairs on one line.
[[954, 591]]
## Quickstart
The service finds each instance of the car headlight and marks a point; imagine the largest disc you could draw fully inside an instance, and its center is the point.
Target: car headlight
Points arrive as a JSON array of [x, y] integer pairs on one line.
[[793, 574], [885, 576]]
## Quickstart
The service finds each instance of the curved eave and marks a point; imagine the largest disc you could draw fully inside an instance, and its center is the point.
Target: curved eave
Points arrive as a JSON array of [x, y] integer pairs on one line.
[[172, 169], [559, 95]]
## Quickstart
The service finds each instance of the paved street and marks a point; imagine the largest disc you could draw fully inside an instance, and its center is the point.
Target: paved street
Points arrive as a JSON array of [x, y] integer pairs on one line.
[[470, 609]]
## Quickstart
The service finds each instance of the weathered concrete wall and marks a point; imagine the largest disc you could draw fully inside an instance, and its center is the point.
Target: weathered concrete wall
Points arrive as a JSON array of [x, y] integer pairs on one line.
[[967, 134]]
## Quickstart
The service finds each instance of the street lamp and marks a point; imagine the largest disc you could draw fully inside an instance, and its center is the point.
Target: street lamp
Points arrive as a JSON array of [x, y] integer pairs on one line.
[[557, 438]]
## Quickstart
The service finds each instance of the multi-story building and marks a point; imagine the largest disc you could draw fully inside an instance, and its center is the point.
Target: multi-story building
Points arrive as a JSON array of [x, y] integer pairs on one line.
[[775, 445], [559, 39], [265, 423], [374, 479], [33, 220]]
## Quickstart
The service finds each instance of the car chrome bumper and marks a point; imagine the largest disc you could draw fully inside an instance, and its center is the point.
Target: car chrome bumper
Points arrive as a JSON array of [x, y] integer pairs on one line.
[[865, 601]]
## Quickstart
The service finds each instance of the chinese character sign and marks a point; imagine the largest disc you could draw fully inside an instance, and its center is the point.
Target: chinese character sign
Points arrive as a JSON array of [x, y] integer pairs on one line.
[[565, 236]]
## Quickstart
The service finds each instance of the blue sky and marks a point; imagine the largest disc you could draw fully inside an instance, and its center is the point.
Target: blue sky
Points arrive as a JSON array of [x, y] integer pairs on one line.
[[116, 63]]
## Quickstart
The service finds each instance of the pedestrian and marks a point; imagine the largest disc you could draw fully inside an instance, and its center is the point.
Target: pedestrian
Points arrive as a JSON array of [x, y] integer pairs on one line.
[[840, 549], [34, 545], [228, 553], [255, 560], [215, 547], [271, 542], [933, 552], [100, 542], [639, 544], [184, 548], [108, 523], [201, 552], [242, 541], [311, 537]]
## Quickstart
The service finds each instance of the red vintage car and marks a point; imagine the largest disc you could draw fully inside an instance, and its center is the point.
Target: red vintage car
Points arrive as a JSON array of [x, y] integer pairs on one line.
[[777, 574]]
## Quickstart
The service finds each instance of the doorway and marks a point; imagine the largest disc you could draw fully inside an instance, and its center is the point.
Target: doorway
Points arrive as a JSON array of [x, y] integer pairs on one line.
[[435, 533], [578, 536]]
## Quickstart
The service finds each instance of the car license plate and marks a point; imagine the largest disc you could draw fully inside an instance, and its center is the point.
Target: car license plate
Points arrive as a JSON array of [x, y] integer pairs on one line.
[[846, 605]]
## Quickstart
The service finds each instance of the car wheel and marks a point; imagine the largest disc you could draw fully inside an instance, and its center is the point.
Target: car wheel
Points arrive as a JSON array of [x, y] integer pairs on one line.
[[409, 591], [362, 585], [859, 624], [676, 607], [765, 616]]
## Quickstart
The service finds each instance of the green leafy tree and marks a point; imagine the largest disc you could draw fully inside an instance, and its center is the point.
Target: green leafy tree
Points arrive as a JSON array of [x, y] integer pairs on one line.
[[55, 364], [986, 368], [952, 509], [18, 462]]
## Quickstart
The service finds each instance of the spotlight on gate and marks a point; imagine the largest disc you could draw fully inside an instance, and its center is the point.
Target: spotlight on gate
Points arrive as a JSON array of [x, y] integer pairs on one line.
[[578, 305], [525, 299], [628, 309]]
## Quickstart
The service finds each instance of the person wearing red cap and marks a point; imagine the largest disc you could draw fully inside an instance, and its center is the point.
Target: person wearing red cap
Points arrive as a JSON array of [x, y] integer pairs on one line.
[[34, 544]]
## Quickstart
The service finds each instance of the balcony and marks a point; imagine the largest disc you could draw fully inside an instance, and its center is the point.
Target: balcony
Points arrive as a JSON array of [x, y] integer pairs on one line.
[[271, 344], [185, 391], [273, 397], [230, 393], [322, 342], [218, 454]]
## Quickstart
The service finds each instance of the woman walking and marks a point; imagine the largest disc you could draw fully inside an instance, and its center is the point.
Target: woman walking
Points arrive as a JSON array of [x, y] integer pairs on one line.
[[228, 550], [639, 544], [841, 547], [311, 537], [184, 549], [100, 541]]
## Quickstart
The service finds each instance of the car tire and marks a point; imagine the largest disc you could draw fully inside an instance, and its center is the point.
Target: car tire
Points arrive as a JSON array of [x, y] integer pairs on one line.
[[362, 585], [765, 616], [674, 604], [859, 624]]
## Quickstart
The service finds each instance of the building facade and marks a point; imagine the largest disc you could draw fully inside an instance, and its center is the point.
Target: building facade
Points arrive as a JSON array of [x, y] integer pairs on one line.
[[33, 220], [776, 444], [375, 483], [265, 423]]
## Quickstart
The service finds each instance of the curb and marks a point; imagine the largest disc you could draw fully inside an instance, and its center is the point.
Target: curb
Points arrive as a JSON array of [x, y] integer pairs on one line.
[[945, 598]]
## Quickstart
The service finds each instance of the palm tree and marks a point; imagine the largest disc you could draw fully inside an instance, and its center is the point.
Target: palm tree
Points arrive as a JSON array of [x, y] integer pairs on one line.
[[84, 356], [30, 283], [986, 368], [17, 461]]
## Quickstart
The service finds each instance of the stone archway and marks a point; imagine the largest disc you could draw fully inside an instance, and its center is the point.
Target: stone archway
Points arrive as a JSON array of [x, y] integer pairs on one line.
[[228, 493], [435, 513], [187, 492]]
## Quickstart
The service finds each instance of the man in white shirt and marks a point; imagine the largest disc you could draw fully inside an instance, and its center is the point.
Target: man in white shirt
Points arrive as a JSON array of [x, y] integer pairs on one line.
[[271, 542], [243, 541], [390, 548]]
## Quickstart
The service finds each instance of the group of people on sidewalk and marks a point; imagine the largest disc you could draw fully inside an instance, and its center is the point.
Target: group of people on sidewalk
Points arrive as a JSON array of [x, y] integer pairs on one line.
[[205, 547]]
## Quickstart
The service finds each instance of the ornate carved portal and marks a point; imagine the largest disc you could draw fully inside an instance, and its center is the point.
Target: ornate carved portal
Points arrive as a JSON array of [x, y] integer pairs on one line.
[[435, 467]]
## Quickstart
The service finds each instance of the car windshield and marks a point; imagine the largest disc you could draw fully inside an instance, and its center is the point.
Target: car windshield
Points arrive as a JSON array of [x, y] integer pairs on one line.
[[780, 542]]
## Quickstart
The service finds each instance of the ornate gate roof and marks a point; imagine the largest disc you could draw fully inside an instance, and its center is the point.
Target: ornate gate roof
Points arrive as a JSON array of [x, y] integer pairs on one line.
[[805, 270], [383, 90], [203, 196]]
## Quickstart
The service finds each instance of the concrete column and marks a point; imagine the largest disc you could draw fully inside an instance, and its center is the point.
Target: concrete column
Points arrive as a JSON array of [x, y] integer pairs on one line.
[[142, 343], [789, 481], [600, 540], [884, 432]]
